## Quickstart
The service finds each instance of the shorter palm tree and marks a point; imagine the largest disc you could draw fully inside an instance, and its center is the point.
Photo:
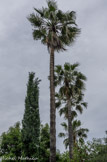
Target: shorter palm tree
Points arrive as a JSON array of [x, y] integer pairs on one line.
[[79, 134], [70, 95]]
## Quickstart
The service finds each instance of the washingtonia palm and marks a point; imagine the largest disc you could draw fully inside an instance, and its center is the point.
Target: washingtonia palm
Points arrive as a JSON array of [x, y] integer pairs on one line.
[[79, 134], [70, 95], [56, 30]]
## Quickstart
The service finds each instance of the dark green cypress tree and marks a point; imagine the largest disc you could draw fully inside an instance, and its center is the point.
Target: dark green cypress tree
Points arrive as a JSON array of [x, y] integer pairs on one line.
[[31, 119]]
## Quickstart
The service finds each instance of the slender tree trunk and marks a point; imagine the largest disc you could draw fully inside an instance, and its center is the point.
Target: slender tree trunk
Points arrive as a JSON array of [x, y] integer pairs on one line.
[[70, 131], [52, 110]]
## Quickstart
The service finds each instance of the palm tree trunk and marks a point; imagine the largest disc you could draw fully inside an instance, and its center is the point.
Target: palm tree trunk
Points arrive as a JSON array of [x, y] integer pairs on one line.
[[70, 131], [52, 110]]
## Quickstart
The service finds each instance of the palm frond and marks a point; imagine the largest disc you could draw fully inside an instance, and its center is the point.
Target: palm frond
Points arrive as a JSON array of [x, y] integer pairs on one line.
[[64, 125], [66, 142], [61, 16], [82, 132], [74, 66], [39, 11], [52, 5], [76, 124], [58, 69], [68, 35], [73, 115], [85, 104], [79, 97], [63, 111], [62, 135], [36, 21], [80, 84], [72, 15], [79, 108], [67, 66], [58, 104], [38, 34], [62, 91], [82, 76]]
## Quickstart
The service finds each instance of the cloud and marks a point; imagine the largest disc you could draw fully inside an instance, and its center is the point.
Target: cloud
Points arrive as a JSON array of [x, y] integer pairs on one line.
[[20, 54]]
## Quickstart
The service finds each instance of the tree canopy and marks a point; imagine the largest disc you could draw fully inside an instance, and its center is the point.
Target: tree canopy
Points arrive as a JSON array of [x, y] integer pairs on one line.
[[11, 143], [31, 119], [54, 27]]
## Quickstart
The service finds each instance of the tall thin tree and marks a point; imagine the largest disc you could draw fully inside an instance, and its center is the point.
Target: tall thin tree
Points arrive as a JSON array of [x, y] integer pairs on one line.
[[31, 119], [71, 87], [55, 29]]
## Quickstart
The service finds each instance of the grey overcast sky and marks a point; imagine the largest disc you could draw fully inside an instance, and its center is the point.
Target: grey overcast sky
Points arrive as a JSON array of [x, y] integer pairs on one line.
[[20, 54]]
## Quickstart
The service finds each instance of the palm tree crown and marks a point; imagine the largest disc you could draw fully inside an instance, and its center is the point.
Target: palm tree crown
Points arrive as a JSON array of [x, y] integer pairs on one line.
[[72, 86], [53, 27]]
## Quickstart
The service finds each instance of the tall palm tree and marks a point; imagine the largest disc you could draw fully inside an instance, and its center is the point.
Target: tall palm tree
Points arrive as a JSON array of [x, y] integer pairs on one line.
[[70, 94], [55, 29], [79, 134]]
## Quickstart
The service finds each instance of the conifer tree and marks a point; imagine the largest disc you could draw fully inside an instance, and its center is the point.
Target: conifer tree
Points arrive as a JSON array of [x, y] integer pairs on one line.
[[31, 119]]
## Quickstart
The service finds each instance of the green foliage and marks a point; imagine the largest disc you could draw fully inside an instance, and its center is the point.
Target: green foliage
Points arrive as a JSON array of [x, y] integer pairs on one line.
[[71, 85], [11, 147], [11, 144], [98, 150], [69, 100], [44, 151], [79, 134], [31, 119], [92, 151], [53, 27], [65, 157]]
